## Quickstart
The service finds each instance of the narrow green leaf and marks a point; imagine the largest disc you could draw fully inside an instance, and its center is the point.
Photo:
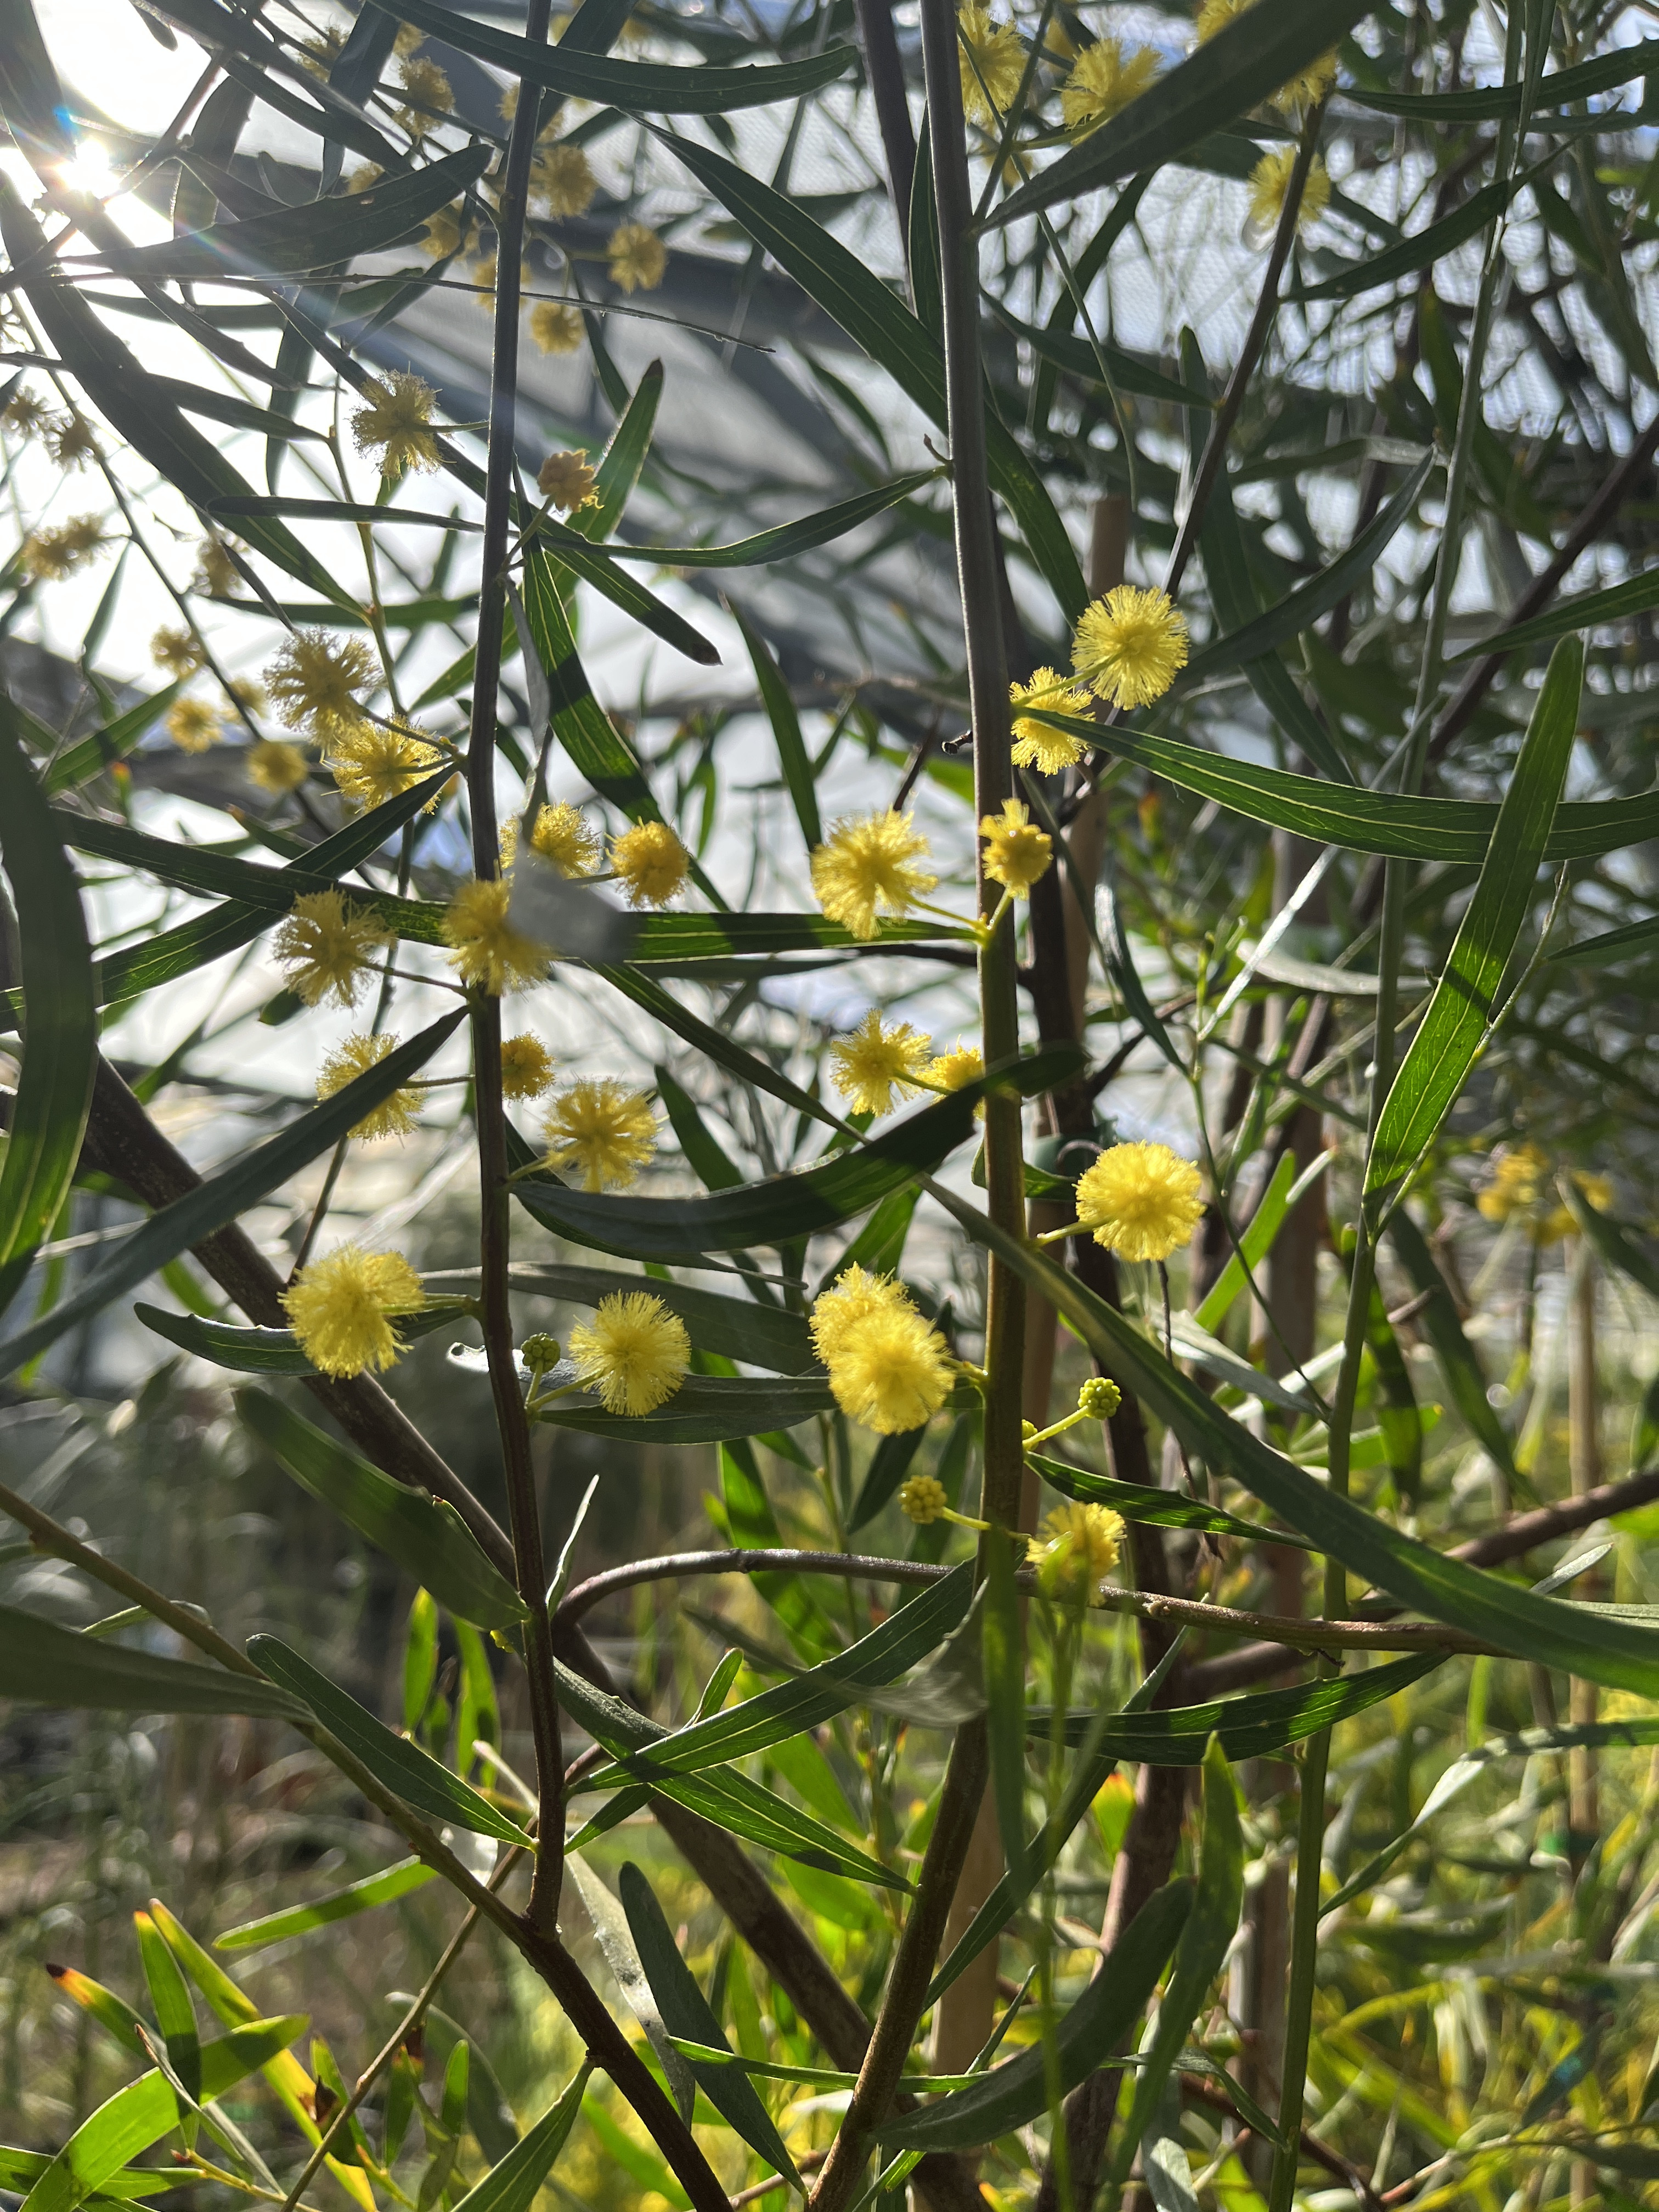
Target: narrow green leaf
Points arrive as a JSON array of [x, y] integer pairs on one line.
[[624, 458], [1420, 251], [600, 569], [1545, 1630], [112, 2014], [785, 540], [60, 1046], [123, 2126], [586, 731], [687, 2014], [1245, 1727], [881, 326], [1636, 595], [1452, 1032], [424, 1535], [1017, 2091], [20, 2169], [807, 1700], [786, 1207], [45, 1664], [412, 1773], [1218, 1903], [78, 763], [1456, 1356], [511, 2185], [1395, 823], [382, 1888], [713, 1044], [706, 1409], [224, 1196], [1161, 1509], [1637, 940], [637, 87], [1492, 103], [1228, 75], [1256, 1241], [169, 1996], [1612, 1244], [1078, 359], [263, 1350], [792, 757]]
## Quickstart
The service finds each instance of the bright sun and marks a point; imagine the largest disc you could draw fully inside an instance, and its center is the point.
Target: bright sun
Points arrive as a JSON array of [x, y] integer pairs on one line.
[[89, 171]]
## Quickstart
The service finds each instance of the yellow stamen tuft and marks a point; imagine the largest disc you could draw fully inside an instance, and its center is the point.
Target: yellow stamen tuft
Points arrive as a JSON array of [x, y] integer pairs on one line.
[[1270, 180], [637, 258], [216, 573], [651, 863], [635, 1353], [565, 840], [24, 416], [177, 651], [426, 87], [952, 1070], [1140, 1200], [556, 327], [276, 766], [1130, 647], [867, 867], [888, 1369], [992, 61], [314, 680], [604, 1129], [396, 423], [566, 480], [372, 764], [526, 1066], [1037, 745], [395, 1116], [1076, 1550], [51, 553], [71, 443], [562, 178], [875, 1062], [485, 950], [1016, 853], [1103, 81], [192, 726], [326, 946], [340, 1306]]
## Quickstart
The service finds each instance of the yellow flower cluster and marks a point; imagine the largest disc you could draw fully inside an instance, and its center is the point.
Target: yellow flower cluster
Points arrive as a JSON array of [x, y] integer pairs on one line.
[[635, 1353], [397, 423], [888, 1369], [327, 945], [637, 258], [1520, 1187], [1016, 854], [923, 1499], [374, 761], [1140, 1200], [992, 61], [879, 1060], [566, 480], [428, 91], [70, 441], [1076, 1550], [1035, 744], [178, 651], [557, 328], [395, 1115], [562, 178], [192, 726], [485, 950], [1299, 93], [314, 680], [216, 573], [341, 1309], [1270, 180], [651, 863], [867, 867], [565, 840], [526, 1066], [1129, 646], [603, 1128], [1103, 81], [58, 550], [276, 766]]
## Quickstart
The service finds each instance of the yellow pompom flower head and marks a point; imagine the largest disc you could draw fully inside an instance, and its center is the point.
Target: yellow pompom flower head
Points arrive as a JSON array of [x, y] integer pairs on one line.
[[375, 761], [487, 953], [1130, 647], [877, 1060], [1104, 79], [556, 327], [1017, 852], [1140, 1200], [565, 840], [178, 651], [1077, 1552], [888, 1369], [867, 867], [58, 550], [396, 424], [603, 1128], [1036, 744], [923, 1499], [341, 1308], [565, 480], [192, 726], [635, 1353], [327, 945], [562, 177], [314, 681], [651, 863], [276, 766], [395, 1115], [637, 258], [1270, 182], [992, 60], [526, 1066]]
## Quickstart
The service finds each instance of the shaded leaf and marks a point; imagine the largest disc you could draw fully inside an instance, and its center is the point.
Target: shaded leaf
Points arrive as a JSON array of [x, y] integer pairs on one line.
[[45, 1664]]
